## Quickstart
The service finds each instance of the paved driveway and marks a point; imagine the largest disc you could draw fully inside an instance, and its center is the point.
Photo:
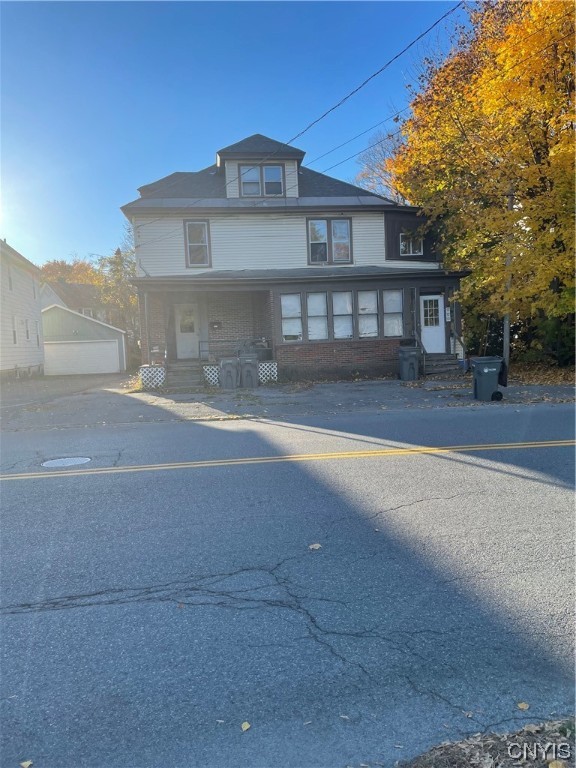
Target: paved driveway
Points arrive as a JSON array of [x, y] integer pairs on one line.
[[16, 393]]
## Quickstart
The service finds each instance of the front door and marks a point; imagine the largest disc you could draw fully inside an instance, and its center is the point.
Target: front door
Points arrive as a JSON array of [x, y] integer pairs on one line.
[[432, 323], [187, 331]]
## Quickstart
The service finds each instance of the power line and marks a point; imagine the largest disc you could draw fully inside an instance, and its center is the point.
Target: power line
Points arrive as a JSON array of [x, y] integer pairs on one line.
[[261, 202], [339, 104], [375, 74]]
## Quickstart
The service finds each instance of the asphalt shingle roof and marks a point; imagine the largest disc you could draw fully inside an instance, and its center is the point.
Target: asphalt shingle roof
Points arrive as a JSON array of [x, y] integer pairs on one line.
[[210, 184], [260, 145]]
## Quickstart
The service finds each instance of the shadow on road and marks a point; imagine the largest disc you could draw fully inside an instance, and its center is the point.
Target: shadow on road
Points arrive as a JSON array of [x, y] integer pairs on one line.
[[166, 608]]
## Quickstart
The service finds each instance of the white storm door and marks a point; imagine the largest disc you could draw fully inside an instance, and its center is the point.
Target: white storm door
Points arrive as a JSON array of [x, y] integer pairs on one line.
[[187, 331], [432, 323]]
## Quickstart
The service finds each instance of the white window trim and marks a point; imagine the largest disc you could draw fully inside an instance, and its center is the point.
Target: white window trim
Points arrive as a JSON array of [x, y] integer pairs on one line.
[[411, 238]]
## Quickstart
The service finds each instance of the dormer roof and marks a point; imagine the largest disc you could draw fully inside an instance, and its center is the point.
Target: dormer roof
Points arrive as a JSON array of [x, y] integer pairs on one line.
[[259, 147]]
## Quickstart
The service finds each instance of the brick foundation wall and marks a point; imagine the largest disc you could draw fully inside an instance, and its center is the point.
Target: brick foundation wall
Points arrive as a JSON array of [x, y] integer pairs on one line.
[[342, 359]]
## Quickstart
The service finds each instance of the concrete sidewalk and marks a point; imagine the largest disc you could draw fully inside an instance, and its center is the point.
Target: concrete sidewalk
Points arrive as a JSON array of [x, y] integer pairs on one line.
[[111, 403]]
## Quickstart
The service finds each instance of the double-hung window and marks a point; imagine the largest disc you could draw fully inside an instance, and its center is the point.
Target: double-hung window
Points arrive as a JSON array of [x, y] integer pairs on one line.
[[291, 305], [27, 329], [393, 325], [14, 331], [197, 243], [411, 244], [342, 314], [261, 180], [317, 310], [329, 241], [367, 314]]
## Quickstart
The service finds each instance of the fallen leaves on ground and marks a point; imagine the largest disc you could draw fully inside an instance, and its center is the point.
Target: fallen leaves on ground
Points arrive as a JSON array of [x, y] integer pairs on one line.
[[493, 750], [245, 726], [527, 373], [523, 706], [26, 764], [314, 547]]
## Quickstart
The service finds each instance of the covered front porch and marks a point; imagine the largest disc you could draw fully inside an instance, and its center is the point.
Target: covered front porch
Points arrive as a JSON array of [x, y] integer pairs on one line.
[[194, 326]]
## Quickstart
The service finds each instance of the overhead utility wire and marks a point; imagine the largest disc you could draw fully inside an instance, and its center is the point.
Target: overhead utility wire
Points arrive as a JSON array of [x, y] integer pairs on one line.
[[261, 202], [177, 232], [336, 106], [375, 74]]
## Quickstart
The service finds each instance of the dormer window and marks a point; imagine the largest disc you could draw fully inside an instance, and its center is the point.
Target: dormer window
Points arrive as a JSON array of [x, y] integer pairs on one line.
[[261, 180]]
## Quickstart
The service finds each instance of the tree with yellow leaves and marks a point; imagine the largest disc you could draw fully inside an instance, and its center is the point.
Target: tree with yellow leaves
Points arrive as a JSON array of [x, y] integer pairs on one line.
[[488, 153]]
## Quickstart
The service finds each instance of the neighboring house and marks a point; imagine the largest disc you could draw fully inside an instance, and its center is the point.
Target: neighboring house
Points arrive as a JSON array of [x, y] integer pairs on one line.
[[80, 297], [333, 277], [75, 343], [21, 346]]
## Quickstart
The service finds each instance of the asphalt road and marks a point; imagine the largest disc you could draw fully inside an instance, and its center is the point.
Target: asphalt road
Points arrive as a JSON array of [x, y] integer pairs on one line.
[[161, 595]]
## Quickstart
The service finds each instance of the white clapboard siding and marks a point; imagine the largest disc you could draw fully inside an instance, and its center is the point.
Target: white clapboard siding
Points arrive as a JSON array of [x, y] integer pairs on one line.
[[23, 304], [249, 241], [291, 172], [232, 186], [65, 358]]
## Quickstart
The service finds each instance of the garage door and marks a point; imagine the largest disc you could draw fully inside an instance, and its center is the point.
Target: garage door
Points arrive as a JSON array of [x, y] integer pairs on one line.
[[63, 358]]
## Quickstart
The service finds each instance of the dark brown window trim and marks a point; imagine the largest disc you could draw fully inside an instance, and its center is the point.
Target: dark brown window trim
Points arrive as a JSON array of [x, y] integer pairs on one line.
[[208, 263], [355, 316], [329, 220], [260, 167]]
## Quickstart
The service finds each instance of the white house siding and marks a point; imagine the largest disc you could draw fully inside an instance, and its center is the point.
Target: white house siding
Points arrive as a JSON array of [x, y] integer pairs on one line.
[[232, 188], [254, 241], [291, 171], [21, 304]]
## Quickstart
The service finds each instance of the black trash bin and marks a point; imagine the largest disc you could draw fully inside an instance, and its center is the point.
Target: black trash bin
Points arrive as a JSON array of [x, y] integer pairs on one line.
[[409, 358], [249, 370], [488, 372]]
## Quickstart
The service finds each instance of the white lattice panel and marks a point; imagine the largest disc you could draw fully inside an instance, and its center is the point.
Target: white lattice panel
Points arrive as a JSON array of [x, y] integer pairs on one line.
[[212, 374], [267, 371], [152, 376]]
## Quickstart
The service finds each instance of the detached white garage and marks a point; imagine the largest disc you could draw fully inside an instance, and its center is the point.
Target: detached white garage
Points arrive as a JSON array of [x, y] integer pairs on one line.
[[76, 344]]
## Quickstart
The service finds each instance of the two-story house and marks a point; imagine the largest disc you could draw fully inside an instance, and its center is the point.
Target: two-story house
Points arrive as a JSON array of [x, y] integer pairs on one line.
[[21, 342], [258, 246]]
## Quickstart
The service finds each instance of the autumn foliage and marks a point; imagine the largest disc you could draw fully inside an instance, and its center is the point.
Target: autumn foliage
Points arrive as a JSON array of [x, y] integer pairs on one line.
[[488, 153]]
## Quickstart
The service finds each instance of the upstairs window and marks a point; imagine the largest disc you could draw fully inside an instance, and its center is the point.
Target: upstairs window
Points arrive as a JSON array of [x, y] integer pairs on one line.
[[329, 241], [27, 329], [261, 180], [14, 332], [411, 245], [197, 243], [10, 283]]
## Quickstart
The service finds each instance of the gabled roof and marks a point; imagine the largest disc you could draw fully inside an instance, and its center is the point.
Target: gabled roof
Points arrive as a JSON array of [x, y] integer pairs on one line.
[[84, 317], [77, 294], [261, 146], [11, 253]]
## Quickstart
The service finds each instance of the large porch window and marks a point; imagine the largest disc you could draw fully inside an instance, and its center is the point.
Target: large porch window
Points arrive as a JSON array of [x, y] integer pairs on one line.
[[339, 315]]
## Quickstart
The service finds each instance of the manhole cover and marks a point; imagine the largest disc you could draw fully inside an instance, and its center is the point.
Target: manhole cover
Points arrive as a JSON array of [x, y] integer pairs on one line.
[[70, 462]]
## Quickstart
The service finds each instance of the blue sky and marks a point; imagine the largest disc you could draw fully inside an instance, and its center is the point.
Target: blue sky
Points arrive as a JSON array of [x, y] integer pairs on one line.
[[99, 98]]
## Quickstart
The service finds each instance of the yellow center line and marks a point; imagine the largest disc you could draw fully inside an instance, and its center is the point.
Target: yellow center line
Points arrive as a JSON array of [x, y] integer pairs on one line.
[[415, 451]]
